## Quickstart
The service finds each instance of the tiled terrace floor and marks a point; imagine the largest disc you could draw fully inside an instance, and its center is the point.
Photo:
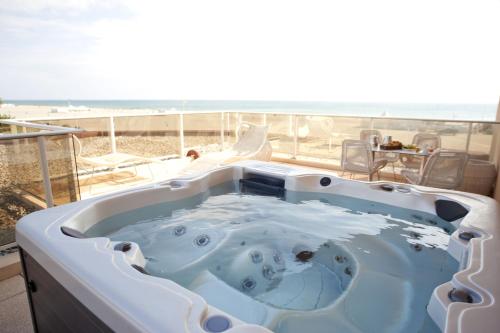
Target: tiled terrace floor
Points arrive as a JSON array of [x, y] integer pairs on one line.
[[14, 309]]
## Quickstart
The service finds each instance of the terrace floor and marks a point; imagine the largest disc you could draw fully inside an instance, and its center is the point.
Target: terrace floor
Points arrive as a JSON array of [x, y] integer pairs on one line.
[[14, 309]]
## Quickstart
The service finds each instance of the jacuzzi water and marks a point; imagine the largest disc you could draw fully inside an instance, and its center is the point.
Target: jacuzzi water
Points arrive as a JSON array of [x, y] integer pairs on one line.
[[309, 263]]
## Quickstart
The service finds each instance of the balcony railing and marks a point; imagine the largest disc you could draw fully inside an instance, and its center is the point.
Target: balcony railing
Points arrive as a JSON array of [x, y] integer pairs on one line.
[[40, 162], [37, 170], [293, 136]]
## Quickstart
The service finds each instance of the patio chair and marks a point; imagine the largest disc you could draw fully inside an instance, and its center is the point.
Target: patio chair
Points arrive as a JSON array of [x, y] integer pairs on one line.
[[420, 140], [252, 144], [108, 161], [366, 135], [357, 158], [444, 169]]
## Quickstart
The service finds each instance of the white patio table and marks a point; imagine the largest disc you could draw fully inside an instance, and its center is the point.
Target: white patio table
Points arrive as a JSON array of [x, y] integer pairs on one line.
[[424, 155]]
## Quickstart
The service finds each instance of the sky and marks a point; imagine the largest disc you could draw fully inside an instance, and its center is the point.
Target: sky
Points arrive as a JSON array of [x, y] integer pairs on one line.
[[427, 51]]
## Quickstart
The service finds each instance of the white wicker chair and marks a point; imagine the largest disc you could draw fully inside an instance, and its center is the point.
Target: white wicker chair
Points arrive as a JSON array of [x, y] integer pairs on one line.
[[357, 158], [420, 140], [444, 169], [366, 135]]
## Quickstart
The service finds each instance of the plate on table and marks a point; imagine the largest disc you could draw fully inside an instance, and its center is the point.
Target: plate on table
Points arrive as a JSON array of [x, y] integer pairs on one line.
[[412, 148], [394, 145]]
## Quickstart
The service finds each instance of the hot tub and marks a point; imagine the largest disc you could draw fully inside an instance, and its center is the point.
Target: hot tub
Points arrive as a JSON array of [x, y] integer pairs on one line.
[[259, 247]]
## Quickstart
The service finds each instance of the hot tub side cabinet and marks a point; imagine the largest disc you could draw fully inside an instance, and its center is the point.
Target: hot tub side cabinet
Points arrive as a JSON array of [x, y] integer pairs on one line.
[[53, 308]]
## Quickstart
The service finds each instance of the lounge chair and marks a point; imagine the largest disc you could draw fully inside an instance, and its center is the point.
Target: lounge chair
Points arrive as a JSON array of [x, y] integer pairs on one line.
[[252, 144], [108, 161]]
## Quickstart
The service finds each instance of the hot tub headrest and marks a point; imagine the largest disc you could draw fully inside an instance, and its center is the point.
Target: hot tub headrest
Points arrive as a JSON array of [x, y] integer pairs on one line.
[[450, 210], [72, 232]]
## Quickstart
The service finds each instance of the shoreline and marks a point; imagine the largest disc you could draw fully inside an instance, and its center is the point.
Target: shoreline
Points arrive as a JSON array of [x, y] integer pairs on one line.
[[40, 112]]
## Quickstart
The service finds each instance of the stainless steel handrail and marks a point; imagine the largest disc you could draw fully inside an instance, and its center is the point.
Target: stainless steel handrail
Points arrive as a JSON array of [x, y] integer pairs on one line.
[[149, 113], [47, 130]]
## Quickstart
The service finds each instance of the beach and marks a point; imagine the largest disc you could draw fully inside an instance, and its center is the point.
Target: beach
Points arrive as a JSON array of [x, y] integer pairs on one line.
[[152, 132]]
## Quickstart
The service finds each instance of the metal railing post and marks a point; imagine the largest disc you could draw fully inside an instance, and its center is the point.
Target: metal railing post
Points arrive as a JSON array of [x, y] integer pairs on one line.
[[181, 134], [469, 133], [24, 130], [111, 131], [295, 136], [44, 166], [228, 116], [331, 134], [238, 125], [222, 131]]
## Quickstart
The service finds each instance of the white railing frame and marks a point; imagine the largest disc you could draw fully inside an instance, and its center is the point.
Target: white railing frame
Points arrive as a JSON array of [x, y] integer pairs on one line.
[[111, 131], [221, 131], [181, 134], [44, 168], [46, 130], [139, 114], [469, 134], [295, 136]]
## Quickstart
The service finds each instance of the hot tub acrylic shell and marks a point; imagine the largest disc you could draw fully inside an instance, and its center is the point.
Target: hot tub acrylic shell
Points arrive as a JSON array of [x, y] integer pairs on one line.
[[104, 281]]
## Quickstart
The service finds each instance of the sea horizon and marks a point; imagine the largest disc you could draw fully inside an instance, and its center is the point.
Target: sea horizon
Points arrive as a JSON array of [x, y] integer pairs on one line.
[[451, 111]]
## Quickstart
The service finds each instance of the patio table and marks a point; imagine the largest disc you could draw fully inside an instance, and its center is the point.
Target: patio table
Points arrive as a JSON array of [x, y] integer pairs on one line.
[[424, 155]]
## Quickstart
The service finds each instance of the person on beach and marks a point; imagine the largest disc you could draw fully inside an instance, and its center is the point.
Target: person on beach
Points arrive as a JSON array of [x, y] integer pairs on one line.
[[193, 154]]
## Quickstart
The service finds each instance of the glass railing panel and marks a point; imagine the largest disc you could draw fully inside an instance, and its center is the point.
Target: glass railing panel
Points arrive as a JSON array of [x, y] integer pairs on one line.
[[484, 141], [231, 123], [95, 140], [7, 129], [281, 132], [17, 129], [62, 169], [399, 130], [344, 128], [148, 136], [202, 131], [453, 134], [254, 118], [20, 177], [316, 137]]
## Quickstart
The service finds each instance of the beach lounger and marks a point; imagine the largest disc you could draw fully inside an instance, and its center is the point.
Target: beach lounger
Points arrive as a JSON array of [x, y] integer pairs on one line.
[[252, 144], [110, 161]]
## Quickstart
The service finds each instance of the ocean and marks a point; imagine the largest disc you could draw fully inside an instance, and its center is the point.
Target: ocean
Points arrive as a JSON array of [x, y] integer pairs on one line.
[[486, 112]]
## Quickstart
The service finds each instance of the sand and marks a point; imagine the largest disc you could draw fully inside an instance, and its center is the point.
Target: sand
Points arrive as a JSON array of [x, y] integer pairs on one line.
[[150, 133], [157, 134]]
